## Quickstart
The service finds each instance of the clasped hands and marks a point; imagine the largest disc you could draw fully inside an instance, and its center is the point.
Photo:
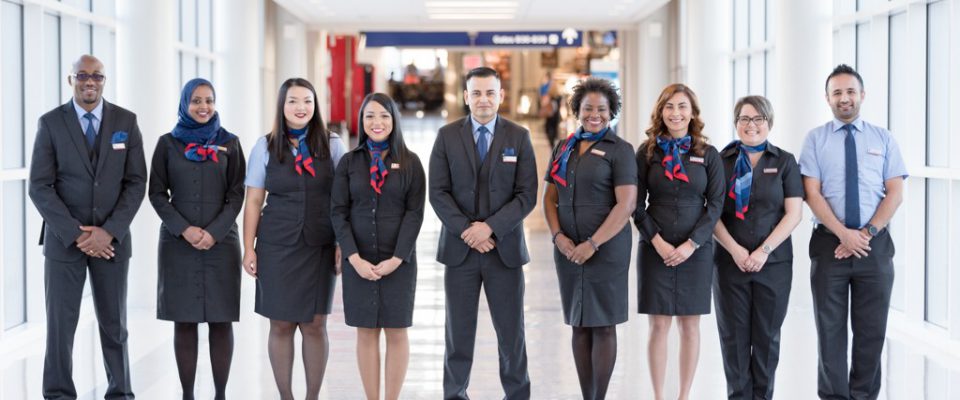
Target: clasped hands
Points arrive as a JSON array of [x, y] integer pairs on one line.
[[576, 253], [672, 256], [478, 237], [371, 272], [853, 242], [199, 238], [95, 241]]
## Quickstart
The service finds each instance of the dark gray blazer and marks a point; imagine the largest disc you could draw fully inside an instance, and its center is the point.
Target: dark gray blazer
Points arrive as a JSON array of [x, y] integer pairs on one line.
[[455, 190], [70, 188]]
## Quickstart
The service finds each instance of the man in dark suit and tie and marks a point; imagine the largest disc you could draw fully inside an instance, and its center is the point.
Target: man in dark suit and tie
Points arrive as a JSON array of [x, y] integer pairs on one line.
[[87, 179], [483, 182]]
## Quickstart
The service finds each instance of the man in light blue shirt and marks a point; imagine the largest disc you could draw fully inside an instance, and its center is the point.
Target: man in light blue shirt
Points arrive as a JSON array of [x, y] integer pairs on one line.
[[853, 176]]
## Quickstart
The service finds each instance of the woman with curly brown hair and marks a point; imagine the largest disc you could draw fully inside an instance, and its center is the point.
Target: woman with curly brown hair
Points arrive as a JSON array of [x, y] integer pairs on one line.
[[683, 176]]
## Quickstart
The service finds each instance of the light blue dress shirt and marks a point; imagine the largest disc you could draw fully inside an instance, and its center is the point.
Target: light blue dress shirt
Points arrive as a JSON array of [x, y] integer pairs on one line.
[[476, 130], [878, 159], [260, 156], [97, 113]]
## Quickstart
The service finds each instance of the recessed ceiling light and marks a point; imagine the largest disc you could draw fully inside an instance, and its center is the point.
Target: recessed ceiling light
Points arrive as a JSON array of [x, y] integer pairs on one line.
[[461, 4], [471, 16]]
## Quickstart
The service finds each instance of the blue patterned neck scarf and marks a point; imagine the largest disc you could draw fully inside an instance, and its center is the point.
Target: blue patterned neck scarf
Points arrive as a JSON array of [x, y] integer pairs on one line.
[[742, 179], [378, 170], [672, 163], [558, 171], [304, 160]]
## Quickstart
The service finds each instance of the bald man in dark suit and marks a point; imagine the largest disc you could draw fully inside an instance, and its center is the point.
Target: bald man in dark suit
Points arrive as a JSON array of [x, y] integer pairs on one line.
[[87, 179]]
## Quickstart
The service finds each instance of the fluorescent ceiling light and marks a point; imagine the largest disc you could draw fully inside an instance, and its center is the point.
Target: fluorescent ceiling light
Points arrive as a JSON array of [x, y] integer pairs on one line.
[[471, 4], [488, 10], [471, 16]]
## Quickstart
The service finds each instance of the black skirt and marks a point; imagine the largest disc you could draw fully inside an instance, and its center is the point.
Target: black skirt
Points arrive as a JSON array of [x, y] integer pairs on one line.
[[386, 303], [295, 282], [681, 290], [198, 285]]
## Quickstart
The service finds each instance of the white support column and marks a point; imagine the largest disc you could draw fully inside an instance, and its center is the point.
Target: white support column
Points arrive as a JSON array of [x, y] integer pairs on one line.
[[146, 83], [708, 45], [238, 28]]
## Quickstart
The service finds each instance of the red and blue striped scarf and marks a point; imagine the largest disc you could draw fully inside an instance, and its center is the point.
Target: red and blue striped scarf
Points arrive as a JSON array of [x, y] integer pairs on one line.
[[672, 163], [304, 160], [558, 171], [742, 179]]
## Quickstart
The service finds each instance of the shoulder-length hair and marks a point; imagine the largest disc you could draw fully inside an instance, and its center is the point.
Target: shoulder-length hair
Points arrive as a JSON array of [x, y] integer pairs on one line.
[[318, 139], [659, 128], [397, 146]]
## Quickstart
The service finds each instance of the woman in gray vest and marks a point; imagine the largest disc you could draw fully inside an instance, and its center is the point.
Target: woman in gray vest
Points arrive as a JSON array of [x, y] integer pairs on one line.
[[294, 258], [378, 198], [196, 186]]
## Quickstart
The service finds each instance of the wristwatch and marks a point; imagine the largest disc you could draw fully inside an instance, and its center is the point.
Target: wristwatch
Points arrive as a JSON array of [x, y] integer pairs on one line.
[[696, 246], [872, 230], [766, 248]]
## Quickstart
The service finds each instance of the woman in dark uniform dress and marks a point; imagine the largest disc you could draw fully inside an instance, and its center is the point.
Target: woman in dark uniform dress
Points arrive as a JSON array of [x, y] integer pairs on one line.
[[593, 191], [196, 186], [683, 177], [294, 260], [378, 198], [755, 257]]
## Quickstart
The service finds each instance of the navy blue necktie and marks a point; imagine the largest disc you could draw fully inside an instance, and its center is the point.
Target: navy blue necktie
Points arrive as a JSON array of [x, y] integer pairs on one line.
[[482, 142], [851, 196], [91, 132]]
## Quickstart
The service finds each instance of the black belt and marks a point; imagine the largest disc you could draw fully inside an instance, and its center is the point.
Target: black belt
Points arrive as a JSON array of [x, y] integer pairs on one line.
[[823, 229]]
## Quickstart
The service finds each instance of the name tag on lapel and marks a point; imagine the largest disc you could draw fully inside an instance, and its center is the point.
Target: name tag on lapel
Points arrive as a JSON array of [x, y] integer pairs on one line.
[[698, 160], [769, 170], [509, 159], [394, 166], [600, 153], [875, 152], [119, 146], [222, 149]]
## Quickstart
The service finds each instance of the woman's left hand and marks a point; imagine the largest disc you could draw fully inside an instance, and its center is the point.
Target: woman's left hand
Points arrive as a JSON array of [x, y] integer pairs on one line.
[[756, 261], [581, 253], [680, 254], [386, 267]]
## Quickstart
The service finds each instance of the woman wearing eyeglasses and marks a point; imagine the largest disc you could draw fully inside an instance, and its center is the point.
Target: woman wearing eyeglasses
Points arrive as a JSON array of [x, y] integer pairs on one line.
[[196, 186], [755, 258]]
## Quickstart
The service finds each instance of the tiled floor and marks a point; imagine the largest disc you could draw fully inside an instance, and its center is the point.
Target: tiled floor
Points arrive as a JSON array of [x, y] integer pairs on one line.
[[907, 375]]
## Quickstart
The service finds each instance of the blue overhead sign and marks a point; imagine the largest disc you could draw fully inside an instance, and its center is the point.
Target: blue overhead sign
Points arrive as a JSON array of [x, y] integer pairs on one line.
[[416, 39], [565, 38]]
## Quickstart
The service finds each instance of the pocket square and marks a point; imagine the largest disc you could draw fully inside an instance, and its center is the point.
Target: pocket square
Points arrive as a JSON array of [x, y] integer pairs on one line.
[[509, 151], [119, 137]]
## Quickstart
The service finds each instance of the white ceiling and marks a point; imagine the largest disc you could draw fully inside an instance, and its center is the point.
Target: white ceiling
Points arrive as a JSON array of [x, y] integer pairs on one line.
[[460, 15]]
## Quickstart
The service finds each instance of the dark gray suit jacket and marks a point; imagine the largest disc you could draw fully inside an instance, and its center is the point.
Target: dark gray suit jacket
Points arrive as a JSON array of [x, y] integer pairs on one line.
[[455, 191], [70, 191]]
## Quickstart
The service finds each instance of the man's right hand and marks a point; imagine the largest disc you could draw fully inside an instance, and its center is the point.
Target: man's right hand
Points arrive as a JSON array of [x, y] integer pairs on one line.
[[855, 241], [485, 246]]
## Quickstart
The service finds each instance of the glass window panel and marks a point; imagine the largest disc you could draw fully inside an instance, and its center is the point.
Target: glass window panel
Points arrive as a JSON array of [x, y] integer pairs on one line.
[[179, 13], [899, 122], [845, 46], [741, 24], [757, 74], [188, 68], [85, 38], [205, 69], [53, 77], [938, 93], [12, 76], [741, 78], [861, 47], [758, 26], [936, 382], [14, 262], [188, 22], [938, 250], [204, 25], [841, 7]]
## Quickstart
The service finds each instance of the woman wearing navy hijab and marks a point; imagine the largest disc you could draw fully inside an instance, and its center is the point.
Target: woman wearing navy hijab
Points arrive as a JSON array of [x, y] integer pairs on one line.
[[196, 186]]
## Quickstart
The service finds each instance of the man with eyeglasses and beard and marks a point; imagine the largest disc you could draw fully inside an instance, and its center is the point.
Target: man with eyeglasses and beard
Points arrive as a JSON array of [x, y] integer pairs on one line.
[[87, 179]]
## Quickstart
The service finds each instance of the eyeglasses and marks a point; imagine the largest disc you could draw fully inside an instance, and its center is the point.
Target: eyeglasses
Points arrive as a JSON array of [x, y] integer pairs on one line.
[[759, 120], [83, 77]]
